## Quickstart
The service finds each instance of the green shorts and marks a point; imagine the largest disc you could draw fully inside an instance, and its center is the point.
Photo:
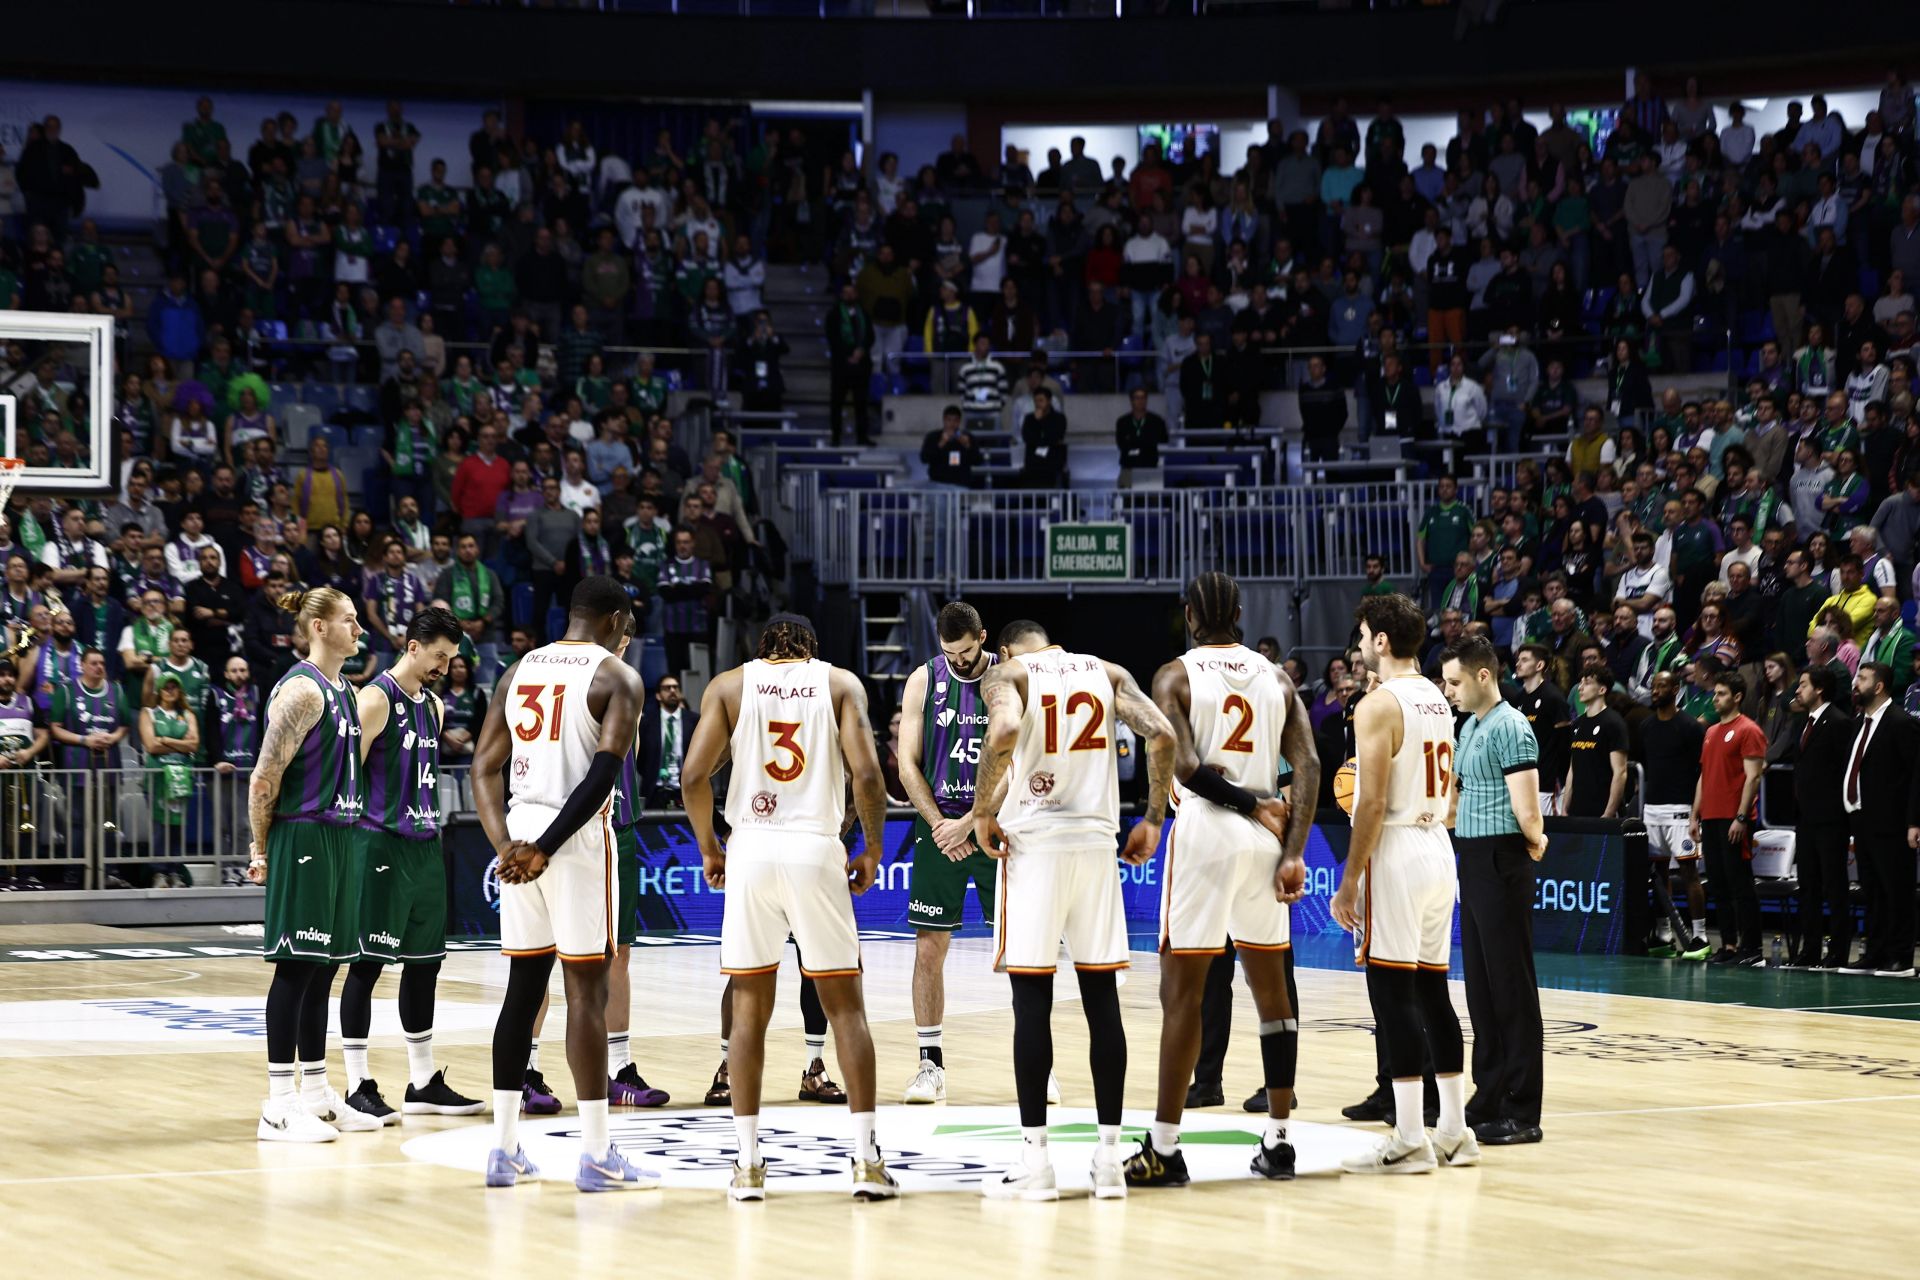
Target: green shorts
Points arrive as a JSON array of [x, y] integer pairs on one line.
[[403, 899], [940, 883], [626, 850], [313, 893]]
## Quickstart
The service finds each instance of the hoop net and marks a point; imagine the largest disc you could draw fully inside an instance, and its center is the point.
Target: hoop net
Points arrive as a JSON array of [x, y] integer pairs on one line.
[[11, 470]]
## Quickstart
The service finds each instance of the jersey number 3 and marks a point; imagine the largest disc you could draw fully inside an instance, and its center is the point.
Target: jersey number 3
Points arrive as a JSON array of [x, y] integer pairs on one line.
[[530, 695], [783, 740]]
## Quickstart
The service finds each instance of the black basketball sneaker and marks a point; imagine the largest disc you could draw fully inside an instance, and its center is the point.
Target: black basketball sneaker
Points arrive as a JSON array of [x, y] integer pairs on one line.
[[1275, 1162], [1148, 1168]]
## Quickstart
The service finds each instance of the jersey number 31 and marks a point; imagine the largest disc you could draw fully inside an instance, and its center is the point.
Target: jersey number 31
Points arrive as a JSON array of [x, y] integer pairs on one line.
[[530, 699]]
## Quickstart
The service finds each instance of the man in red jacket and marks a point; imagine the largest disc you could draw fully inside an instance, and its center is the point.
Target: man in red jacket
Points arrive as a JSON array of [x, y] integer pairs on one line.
[[477, 485]]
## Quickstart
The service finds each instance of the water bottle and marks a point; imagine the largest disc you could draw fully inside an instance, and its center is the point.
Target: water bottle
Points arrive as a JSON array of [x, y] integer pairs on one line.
[[1778, 957]]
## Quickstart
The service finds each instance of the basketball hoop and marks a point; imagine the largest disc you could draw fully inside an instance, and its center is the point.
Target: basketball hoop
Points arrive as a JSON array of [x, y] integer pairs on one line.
[[11, 471]]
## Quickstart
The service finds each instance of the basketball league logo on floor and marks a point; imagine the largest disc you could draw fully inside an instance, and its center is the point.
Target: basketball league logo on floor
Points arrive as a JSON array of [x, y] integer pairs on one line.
[[927, 1148]]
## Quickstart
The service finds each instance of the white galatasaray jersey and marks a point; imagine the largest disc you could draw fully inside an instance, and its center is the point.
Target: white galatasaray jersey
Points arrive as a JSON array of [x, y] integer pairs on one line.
[[555, 733], [1063, 780], [787, 770], [1238, 713], [1421, 772]]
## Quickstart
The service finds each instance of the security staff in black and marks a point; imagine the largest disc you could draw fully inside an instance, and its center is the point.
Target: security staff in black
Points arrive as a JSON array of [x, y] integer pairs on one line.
[[1820, 836]]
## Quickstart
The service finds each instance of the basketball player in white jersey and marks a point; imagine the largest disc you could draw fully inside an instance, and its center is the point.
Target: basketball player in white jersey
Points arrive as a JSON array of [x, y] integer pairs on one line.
[[1050, 741], [561, 723], [1397, 893], [796, 730], [1233, 864]]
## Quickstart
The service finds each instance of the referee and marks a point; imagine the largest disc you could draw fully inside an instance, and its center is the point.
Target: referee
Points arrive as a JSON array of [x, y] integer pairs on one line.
[[1497, 831]]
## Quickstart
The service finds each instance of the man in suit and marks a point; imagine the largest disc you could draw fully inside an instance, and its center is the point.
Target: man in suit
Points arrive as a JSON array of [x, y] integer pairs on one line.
[[1820, 837], [665, 726], [1881, 795]]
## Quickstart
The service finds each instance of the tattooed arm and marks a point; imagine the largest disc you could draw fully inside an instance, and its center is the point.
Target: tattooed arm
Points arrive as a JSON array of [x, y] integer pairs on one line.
[[862, 762], [293, 711], [1303, 788], [1004, 690], [1133, 708]]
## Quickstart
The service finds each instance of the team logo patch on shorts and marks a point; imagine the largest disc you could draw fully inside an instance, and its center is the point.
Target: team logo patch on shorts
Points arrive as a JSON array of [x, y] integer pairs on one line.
[[764, 803], [1040, 784]]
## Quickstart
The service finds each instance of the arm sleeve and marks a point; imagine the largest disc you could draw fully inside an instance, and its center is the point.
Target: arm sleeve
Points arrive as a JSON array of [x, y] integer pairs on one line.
[[1208, 785], [583, 803]]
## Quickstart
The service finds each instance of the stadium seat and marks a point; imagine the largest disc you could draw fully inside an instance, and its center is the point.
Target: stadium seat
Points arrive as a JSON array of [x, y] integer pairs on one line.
[[556, 621], [297, 422], [521, 604], [366, 437]]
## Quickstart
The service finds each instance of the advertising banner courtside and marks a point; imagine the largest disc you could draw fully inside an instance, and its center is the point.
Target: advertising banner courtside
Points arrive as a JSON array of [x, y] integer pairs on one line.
[[1577, 901]]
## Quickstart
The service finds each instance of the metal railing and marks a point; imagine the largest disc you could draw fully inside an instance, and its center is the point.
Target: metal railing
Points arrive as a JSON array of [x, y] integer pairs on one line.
[[89, 827], [964, 539]]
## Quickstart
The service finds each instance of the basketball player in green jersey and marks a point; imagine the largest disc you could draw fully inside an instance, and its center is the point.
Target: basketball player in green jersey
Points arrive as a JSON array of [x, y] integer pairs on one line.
[[942, 721], [403, 904], [303, 803]]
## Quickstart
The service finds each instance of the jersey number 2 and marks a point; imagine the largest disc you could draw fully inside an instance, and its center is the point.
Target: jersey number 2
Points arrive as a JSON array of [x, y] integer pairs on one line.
[[1090, 737], [1439, 758], [530, 699], [783, 731], [1238, 740]]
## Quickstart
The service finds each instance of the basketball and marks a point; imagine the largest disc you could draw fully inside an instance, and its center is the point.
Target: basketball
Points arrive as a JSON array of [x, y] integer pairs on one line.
[[1343, 780]]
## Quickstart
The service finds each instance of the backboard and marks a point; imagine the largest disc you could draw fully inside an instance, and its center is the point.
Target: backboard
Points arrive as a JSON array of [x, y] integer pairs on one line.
[[57, 401]]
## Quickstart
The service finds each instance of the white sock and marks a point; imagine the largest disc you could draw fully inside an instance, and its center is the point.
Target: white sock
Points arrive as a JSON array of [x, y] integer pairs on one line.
[[420, 1058], [1033, 1146], [619, 1053], [1165, 1137], [817, 1048], [282, 1084], [355, 1052], [929, 1038], [313, 1080], [1699, 929], [1110, 1138], [865, 1145], [723, 1051], [1408, 1113], [533, 1056], [506, 1120], [746, 1129], [1276, 1132], [1453, 1104], [593, 1128]]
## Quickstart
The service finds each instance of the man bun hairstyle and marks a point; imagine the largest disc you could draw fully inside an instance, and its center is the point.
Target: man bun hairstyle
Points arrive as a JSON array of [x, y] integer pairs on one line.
[[1398, 619]]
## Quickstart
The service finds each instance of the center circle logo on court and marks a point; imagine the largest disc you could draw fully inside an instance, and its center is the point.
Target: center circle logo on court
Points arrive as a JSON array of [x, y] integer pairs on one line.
[[1040, 784], [764, 803], [942, 1148]]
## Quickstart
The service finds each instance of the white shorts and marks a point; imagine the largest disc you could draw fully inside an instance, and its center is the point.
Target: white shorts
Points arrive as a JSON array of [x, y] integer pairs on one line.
[[1667, 835], [1409, 891], [1050, 892], [786, 882], [1218, 883], [570, 907]]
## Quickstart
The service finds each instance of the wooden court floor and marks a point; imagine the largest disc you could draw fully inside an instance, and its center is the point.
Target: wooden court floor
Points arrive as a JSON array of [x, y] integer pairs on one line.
[[1684, 1137]]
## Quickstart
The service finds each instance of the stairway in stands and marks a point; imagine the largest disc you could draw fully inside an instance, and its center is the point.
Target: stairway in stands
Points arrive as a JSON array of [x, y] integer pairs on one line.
[[798, 299]]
